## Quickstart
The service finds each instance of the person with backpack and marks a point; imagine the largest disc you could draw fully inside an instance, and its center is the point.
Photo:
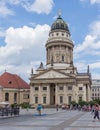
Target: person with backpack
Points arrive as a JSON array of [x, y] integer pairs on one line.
[[39, 107]]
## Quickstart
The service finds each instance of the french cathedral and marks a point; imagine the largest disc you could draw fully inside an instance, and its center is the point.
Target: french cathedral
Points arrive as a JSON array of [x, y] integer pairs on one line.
[[60, 82]]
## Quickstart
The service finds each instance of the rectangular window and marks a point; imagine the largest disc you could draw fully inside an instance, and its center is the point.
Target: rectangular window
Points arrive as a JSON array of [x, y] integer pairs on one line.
[[44, 88], [15, 97], [62, 58], [61, 88], [61, 99], [69, 99], [44, 100], [36, 100], [36, 88], [6, 96], [69, 87], [80, 88]]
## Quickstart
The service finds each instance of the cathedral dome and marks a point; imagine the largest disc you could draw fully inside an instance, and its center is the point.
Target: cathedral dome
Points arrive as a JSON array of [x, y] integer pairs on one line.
[[59, 24]]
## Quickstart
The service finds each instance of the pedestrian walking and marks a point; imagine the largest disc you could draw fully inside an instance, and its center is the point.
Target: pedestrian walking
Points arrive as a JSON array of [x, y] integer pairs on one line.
[[57, 106], [96, 112], [92, 109], [39, 107]]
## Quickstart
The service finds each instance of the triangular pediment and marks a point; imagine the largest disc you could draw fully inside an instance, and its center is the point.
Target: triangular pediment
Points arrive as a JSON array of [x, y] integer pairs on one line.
[[52, 74]]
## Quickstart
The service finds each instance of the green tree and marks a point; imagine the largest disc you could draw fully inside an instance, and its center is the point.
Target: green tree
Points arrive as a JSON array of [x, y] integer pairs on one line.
[[82, 103]]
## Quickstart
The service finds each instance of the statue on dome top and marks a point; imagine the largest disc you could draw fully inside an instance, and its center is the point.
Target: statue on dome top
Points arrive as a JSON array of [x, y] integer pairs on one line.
[[59, 13]]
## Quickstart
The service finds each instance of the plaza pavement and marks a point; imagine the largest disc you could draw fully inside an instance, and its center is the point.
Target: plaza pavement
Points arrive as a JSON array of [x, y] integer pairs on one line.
[[53, 120]]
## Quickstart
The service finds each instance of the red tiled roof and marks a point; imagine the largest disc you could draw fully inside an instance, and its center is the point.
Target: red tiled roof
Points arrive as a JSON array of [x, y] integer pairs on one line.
[[8, 80]]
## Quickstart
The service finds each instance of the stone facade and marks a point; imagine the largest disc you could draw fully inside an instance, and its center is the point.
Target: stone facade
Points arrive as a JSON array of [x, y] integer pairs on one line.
[[22, 95], [59, 83], [95, 89], [13, 89]]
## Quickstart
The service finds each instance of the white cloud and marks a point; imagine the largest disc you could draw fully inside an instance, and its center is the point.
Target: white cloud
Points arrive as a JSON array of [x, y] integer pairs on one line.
[[95, 65], [89, 50], [95, 1], [26, 37], [23, 39], [81, 66], [92, 1], [39, 6], [23, 70], [95, 28], [4, 10], [2, 34], [23, 46], [91, 42], [96, 75], [14, 1]]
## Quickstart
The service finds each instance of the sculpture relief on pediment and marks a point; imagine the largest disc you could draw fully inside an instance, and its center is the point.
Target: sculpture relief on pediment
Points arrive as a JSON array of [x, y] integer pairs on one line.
[[52, 74]]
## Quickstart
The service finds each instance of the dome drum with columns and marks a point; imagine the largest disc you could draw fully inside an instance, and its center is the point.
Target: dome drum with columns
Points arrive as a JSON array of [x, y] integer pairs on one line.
[[59, 83], [59, 46]]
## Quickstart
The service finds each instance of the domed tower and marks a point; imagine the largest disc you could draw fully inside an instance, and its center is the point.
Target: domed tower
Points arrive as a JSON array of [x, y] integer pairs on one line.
[[59, 83], [59, 46]]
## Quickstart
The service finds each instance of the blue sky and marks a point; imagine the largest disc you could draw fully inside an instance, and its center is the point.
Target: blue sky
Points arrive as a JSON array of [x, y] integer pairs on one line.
[[24, 28]]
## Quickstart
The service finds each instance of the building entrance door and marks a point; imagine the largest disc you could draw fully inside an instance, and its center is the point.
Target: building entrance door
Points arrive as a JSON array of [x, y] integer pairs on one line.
[[52, 94]]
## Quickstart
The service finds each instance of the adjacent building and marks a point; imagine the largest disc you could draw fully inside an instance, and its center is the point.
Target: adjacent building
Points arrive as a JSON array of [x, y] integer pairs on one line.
[[95, 89], [60, 82], [13, 89]]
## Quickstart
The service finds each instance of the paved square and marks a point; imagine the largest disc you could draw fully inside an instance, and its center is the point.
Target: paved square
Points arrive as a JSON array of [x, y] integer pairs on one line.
[[61, 120]]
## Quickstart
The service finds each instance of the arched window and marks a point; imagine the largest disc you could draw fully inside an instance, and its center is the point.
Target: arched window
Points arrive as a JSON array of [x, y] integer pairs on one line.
[[15, 97], [61, 99], [69, 99], [36, 99], [62, 58], [57, 26], [6, 96], [62, 26], [44, 99]]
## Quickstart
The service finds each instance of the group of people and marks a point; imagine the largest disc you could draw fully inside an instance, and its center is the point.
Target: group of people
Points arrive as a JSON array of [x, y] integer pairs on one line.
[[95, 110]]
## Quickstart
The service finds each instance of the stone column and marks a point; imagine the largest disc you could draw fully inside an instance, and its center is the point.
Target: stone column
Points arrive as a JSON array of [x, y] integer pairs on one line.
[[48, 94], [56, 94], [89, 93], [31, 94], [40, 94]]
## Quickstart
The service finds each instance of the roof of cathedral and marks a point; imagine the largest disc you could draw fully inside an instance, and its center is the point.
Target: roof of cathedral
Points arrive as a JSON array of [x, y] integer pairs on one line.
[[59, 24], [8, 80]]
